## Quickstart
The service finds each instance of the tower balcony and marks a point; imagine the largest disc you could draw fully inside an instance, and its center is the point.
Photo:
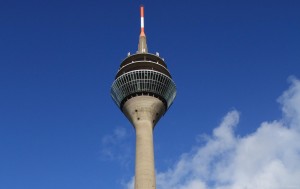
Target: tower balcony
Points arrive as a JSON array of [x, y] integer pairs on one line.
[[143, 82]]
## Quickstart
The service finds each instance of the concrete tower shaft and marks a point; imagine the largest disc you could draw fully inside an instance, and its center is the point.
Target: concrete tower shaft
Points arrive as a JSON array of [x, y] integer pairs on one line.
[[144, 90], [144, 112]]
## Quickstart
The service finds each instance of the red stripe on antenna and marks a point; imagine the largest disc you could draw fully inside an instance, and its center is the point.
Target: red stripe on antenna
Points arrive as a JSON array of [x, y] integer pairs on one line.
[[142, 10]]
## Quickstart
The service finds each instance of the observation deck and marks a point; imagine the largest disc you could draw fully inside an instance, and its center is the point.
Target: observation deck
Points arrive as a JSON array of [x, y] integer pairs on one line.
[[143, 74]]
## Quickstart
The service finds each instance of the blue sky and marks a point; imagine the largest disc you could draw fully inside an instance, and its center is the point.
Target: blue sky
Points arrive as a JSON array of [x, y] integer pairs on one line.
[[231, 61]]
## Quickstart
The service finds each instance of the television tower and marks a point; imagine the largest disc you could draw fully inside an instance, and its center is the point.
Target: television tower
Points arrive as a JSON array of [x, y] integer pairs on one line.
[[144, 90]]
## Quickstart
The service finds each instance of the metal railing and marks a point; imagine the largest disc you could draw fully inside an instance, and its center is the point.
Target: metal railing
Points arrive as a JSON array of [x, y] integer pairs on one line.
[[143, 81]]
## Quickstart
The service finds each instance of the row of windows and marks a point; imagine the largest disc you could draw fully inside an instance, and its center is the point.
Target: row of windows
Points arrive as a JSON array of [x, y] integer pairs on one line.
[[143, 81], [134, 62]]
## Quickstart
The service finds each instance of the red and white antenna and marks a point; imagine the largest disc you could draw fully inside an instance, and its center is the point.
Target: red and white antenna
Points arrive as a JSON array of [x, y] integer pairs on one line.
[[142, 47], [142, 21]]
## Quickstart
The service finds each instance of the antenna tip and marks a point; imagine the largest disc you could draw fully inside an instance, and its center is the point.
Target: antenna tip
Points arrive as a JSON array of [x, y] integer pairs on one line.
[[142, 10]]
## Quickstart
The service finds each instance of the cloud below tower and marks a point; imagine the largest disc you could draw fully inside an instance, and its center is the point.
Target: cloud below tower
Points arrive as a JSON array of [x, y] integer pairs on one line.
[[266, 159]]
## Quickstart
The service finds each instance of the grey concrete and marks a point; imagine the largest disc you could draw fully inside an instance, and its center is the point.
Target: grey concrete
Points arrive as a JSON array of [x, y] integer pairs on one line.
[[142, 47], [144, 112]]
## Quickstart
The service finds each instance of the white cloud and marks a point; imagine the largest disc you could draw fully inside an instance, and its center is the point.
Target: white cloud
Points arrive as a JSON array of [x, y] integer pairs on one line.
[[290, 101], [119, 134], [269, 158], [116, 146]]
